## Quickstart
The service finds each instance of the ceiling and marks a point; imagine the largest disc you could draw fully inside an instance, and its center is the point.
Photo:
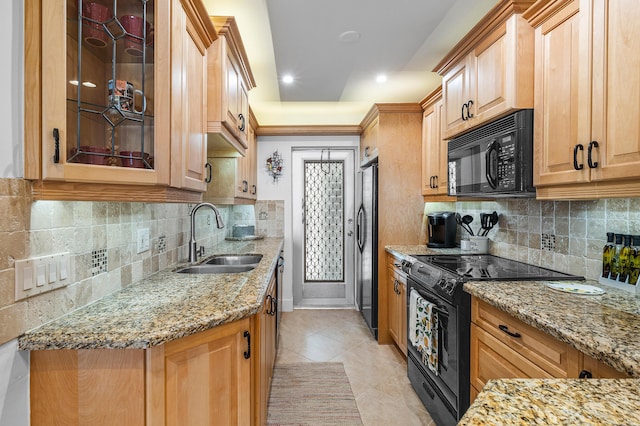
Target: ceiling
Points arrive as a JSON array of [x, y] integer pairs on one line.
[[335, 77]]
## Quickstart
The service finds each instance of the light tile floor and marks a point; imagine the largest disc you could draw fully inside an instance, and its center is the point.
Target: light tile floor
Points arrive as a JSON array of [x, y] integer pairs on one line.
[[377, 373]]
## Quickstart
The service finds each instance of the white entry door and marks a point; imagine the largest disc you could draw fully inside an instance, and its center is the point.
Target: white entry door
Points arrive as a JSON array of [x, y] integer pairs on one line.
[[323, 227]]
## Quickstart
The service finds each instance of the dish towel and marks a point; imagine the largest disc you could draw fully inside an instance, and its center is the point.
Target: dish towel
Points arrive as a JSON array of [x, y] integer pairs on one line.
[[426, 332]]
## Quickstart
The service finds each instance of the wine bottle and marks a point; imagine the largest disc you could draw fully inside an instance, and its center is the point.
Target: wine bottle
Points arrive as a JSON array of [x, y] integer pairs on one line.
[[635, 261], [607, 255], [625, 258], [615, 260]]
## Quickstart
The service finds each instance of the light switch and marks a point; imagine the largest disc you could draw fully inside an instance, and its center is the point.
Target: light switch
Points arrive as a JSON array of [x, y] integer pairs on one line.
[[27, 277], [53, 272], [64, 272], [41, 275]]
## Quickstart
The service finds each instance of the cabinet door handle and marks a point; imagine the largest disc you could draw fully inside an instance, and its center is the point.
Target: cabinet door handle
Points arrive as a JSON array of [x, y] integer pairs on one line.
[[274, 306], [462, 112], [585, 374], [209, 172], [577, 148], [435, 182], [510, 333], [254, 190], [245, 186], [242, 125], [247, 353], [592, 164], [469, 115], [56, 145], [270, 305]]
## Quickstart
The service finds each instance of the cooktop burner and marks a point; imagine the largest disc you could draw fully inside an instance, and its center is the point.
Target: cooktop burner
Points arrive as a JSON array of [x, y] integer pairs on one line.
[[489, 267]]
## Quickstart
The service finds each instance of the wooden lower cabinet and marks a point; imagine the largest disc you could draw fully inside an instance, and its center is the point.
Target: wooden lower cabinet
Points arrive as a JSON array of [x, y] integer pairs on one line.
[[220, 376], [208, 377], [264, 328], [505, 347], [397, 289], [87, 387]]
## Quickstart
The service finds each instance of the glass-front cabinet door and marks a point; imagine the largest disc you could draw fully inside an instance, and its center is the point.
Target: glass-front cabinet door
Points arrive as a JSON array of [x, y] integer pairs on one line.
[[105, 91]]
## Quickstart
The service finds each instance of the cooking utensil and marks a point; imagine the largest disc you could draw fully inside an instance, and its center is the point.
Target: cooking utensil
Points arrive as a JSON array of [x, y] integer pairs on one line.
[[487, 222], [466, 221]]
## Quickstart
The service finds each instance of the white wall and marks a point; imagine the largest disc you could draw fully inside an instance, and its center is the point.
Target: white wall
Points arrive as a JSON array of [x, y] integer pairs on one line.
[[11, 74], [14, 385], [281, 189], [14, 365]]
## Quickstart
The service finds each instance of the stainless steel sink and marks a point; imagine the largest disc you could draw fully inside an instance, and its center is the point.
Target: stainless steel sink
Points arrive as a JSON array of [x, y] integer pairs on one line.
[[214, 269], [235, 259]]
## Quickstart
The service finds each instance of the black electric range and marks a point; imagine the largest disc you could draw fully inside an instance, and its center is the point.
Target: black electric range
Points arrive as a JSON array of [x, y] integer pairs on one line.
[[439, 279]]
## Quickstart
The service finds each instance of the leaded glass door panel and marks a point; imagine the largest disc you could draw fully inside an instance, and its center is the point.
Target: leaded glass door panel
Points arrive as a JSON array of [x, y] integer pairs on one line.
[[323, 184]]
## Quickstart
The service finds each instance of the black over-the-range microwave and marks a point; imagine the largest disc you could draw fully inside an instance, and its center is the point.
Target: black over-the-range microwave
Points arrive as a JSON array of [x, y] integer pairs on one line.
[[495, 160]]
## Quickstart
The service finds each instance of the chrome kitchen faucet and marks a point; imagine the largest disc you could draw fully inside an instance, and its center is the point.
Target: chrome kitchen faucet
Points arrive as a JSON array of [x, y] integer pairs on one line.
[[193, 246]]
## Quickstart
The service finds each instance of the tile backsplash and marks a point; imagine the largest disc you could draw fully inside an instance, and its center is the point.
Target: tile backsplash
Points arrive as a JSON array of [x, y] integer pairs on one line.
[[101, 238], [563, 235]]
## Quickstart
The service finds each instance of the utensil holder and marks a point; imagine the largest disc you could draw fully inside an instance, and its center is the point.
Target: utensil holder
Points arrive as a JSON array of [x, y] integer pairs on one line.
[[479, 245]]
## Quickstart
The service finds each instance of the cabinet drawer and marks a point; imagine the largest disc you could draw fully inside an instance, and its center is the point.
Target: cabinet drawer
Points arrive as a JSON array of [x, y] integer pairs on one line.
[[556, 358], [492, 359]]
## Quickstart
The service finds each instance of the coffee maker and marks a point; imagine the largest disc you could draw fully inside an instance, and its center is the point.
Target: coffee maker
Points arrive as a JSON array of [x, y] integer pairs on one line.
[[441, 229]]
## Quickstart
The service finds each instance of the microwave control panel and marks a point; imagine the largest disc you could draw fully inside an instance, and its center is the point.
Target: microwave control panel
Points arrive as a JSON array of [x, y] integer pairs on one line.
[[506, 163]]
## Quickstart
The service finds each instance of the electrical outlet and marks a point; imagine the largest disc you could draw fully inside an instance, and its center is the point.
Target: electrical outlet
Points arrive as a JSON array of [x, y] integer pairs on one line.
[[143, 240]]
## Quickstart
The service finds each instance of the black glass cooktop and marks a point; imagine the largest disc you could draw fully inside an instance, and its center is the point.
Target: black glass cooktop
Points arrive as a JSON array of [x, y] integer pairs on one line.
[[489, 267]]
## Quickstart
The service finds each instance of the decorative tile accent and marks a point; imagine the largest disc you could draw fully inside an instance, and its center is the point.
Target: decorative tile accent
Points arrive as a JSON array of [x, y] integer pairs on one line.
[[98, 261], [548, 242], [162, 244]]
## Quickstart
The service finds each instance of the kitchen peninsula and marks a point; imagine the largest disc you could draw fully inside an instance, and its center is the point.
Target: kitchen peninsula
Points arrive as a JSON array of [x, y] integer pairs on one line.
[[146, 337]]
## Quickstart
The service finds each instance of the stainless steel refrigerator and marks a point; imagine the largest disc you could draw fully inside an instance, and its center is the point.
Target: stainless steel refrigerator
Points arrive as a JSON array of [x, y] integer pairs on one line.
[[367, 246]]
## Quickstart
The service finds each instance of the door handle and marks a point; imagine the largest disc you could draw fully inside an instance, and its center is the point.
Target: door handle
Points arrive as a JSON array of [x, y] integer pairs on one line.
[[592, 164], [505, 329], [209, 172], [469, 115], [247, 353], [491, 164], [577, 148]]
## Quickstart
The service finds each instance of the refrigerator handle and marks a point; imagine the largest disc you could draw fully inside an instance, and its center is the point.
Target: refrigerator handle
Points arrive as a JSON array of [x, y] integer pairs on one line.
[[359, 227]]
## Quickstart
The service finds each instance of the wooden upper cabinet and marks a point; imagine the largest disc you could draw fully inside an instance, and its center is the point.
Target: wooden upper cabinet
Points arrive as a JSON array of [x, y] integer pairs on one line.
[[369, 138], [191, 39], [98, 123], [586, 102], [490, 72], [230, 80], [434, 149]]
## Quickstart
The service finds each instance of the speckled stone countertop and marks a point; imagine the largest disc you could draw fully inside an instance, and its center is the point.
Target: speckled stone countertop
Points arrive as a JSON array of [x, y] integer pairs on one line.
[[163, 307], [556, 401], [606, 327]]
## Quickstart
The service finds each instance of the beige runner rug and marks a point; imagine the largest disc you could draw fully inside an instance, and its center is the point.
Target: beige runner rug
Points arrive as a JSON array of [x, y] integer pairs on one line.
[[313, 393]]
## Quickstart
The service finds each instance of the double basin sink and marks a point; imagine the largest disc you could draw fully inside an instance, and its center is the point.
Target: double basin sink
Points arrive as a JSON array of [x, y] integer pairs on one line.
[[223, 264]]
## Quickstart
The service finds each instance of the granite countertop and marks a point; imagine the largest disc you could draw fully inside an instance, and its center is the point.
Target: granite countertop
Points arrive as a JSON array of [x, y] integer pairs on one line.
[[556, 401], [606, 327], [166, 306]]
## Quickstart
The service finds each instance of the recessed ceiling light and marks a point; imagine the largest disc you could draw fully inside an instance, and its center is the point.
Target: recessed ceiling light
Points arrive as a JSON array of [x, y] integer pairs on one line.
[[73, 82], [287, 79], [88, 84], [381, 78], [349, 36]]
